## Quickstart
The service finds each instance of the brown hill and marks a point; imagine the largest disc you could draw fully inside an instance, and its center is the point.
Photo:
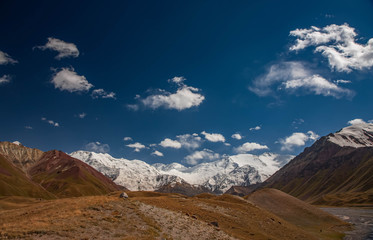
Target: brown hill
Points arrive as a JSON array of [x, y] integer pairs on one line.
[[295, 211], [241, 190], [149, 215], [14, 182], [66, 176], [327, 173], [183, 188], [20, 156]]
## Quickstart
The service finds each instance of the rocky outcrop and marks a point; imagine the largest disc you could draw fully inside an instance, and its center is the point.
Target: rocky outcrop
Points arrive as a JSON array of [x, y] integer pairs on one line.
[[21, 156]]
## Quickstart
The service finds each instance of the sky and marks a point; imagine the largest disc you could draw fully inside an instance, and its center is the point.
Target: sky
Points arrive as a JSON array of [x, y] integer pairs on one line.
[[183, 81]]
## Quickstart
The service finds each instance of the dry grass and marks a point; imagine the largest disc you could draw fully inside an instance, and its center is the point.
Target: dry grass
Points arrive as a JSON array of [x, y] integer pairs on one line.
[[145, 215]]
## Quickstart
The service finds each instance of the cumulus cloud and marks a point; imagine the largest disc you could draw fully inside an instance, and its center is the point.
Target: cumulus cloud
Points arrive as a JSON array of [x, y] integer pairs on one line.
[[249, 146], [63, 48], [338, 44], [5, 79], [67, 79], [204, 155], [356, 121], [97, 147], [6, 59], [189, 141], [127, 139], [137, 146], [255, 128], [51, 122], [185, 97], [294, 77], [237, 136], [101, 93], [297, 139], [213, 137], [157, 153], [169, 143], [17, 142]]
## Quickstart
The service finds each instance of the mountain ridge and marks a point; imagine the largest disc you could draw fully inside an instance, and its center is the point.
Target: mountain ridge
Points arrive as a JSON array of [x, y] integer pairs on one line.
[[333, 171]]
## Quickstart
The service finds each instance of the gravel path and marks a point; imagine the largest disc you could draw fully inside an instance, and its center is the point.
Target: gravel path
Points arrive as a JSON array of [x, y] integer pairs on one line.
[[362, 219]]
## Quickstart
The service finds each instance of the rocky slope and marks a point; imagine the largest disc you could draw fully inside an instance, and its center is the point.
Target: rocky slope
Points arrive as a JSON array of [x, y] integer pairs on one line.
[[20, 156], [337, 169]]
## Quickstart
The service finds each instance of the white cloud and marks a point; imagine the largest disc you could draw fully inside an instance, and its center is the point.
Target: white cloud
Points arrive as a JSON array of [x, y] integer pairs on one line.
[[317, 85], [213, 137], [255, 128], [51, 122], [185, 97], [137, 146], [169, 143], [101, 93], [294, 77], [127, 139], [177, 79], [63, 48], [237, 136], [227, 144], [5, 79], [67, 79], [205, 155], [82, 115], [336, 43], [190, 141], [28, 127], [157, 153], [97, 147], [249, 146], [5, 59], [356, 121], [17, 142], [297, 139]]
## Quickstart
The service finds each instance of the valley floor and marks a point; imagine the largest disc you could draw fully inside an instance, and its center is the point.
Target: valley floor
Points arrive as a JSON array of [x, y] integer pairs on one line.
[[149, 215], [361, 218]]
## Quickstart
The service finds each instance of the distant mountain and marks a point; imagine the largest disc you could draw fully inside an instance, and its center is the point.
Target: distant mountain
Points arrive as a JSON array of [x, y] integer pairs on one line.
[[242, 190], [217, 176], [337, 169], [32, 173], [183, 188]]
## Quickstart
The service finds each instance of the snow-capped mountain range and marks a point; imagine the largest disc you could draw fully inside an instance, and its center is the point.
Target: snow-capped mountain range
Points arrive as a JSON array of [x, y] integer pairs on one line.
[[217, 176]]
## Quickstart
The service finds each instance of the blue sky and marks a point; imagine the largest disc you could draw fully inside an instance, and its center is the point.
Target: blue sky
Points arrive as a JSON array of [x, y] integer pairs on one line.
[[278, 73]]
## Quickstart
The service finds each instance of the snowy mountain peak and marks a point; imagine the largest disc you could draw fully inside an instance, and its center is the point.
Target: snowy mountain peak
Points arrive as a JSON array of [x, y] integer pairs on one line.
[[356, 136], [217, 176]]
